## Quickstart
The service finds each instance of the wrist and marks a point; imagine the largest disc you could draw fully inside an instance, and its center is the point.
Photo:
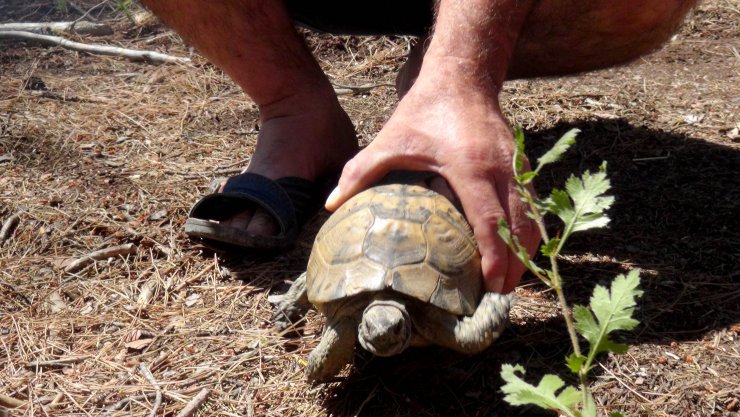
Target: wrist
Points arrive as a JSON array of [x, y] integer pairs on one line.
[[482, 33], [459, 74]]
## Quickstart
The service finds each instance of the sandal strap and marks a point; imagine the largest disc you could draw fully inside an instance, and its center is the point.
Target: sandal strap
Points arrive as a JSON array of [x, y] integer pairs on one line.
[[249, 189]]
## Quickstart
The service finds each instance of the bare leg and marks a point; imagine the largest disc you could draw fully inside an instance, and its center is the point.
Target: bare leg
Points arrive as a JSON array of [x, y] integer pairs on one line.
[[304, 132], [570, 36]]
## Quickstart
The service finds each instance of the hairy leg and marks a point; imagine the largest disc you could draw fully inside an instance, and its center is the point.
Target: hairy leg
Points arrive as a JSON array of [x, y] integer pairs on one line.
[[570, 36], [304, 132]]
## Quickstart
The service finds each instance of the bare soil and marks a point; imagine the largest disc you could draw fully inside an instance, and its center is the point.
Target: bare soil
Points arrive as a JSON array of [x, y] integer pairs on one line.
[[98, 151]]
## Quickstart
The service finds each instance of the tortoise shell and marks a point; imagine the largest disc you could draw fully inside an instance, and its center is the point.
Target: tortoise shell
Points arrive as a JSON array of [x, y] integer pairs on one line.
[[397, 237]]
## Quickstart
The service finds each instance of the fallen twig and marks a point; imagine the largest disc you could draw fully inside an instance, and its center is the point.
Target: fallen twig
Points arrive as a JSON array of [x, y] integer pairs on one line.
[[10, 402], [9, 227], [124, 402], [345, 90], [133, 54], [99, 255], [158, 396], [195, 403], [194, 278], [80, 27], [57, 363]]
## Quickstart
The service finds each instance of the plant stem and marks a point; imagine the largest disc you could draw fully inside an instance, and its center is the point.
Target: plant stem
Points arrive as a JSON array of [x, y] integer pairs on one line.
[[555, 282], [565, 309]]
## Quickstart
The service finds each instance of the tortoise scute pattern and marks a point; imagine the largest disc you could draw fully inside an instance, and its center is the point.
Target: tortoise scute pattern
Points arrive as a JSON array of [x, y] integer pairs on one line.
[[392, 243], [381, 239]]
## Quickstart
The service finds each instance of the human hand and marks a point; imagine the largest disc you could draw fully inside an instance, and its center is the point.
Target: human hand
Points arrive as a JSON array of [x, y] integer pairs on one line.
[[450, 123]]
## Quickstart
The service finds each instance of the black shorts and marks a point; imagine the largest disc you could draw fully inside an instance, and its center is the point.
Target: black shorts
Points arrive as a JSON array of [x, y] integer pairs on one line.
[[362, 17]]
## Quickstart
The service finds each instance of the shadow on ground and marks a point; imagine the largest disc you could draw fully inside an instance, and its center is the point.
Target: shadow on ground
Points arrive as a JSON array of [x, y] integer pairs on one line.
[[674, 217]]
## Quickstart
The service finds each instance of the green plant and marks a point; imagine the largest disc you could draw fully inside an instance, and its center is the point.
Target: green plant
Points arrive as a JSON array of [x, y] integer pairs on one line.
[[124, 6], [580, 206], [61, 5]]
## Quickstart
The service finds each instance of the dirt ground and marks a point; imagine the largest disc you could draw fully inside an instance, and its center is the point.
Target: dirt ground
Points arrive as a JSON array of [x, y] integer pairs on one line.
[[97, 152]]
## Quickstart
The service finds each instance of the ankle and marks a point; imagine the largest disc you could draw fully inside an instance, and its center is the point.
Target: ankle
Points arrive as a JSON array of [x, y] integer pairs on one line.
[[311, 98]]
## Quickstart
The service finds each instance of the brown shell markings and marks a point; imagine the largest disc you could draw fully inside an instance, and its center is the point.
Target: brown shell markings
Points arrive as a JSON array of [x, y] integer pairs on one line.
[[400, 237]]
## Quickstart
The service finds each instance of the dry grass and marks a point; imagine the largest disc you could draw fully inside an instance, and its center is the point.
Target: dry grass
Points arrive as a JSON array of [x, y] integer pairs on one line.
[[120, 150]]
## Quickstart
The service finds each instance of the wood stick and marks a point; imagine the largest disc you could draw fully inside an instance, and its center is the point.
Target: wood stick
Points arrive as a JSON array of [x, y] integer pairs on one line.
[[124, 402], [195, 403], [193, 278], [133, 54], [10, 402], [9, 227], [99, 255], [80, 27], [57, 363], [158, 396], [344, 90]]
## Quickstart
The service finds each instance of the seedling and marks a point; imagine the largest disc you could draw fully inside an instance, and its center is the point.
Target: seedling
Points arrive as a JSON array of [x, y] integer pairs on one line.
[[580, 206]]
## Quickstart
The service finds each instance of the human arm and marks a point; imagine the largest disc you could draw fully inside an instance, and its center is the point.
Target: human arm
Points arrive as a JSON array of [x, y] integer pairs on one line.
[[450, 122]]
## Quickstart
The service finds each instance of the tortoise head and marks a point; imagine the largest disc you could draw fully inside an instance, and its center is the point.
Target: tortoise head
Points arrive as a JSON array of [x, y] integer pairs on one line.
[[385, 328]]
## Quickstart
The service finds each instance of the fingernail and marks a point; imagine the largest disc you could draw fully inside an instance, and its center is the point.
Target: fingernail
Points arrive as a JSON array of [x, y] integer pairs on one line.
[[333, 199]]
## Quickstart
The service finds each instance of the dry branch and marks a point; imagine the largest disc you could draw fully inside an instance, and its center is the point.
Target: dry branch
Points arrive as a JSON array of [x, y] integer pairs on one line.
[[57, 363], [344, 90], [99, 255], [9, 226], [133, 54], [158, 396], [10, 402], [195, 403], [82, 28], [194, 278], [124, 402]]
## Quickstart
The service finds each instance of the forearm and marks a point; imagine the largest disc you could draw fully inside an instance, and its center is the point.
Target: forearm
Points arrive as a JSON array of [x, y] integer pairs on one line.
[[479, 36]]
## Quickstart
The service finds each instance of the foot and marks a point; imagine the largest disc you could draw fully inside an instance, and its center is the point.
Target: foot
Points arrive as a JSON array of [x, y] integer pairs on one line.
[[306, 135]]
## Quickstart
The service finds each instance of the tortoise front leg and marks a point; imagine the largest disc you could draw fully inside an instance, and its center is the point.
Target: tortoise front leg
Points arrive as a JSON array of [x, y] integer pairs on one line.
[[334, 351], [471, 334], [291, 306]]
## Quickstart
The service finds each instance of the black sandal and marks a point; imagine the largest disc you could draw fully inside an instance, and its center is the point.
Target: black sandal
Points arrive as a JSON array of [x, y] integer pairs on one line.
[[291, 201]]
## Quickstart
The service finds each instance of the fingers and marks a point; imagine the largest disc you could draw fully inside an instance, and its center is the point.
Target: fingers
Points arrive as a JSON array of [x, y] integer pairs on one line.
[[483, 209], [524, 228], [367, 168]]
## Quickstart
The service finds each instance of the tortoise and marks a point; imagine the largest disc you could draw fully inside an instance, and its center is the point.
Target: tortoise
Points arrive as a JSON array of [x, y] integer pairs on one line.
[[396, 266]]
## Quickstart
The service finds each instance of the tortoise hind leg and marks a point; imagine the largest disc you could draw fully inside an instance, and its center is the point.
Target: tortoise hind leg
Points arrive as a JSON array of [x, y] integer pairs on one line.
[[292, 306], [475, 333], [471, 334], [334, 351]]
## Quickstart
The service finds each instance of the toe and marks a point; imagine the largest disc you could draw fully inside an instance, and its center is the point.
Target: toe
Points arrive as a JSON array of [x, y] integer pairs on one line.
[[262, 224], [241, 220]]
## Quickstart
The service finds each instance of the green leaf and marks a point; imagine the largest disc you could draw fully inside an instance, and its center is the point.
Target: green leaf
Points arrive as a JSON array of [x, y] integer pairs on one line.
[[575, 362], [550, 247], [616, 414], [610, 310], [526, 177], [520, 251], [545, 394], [557, 150], [581, 206]]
